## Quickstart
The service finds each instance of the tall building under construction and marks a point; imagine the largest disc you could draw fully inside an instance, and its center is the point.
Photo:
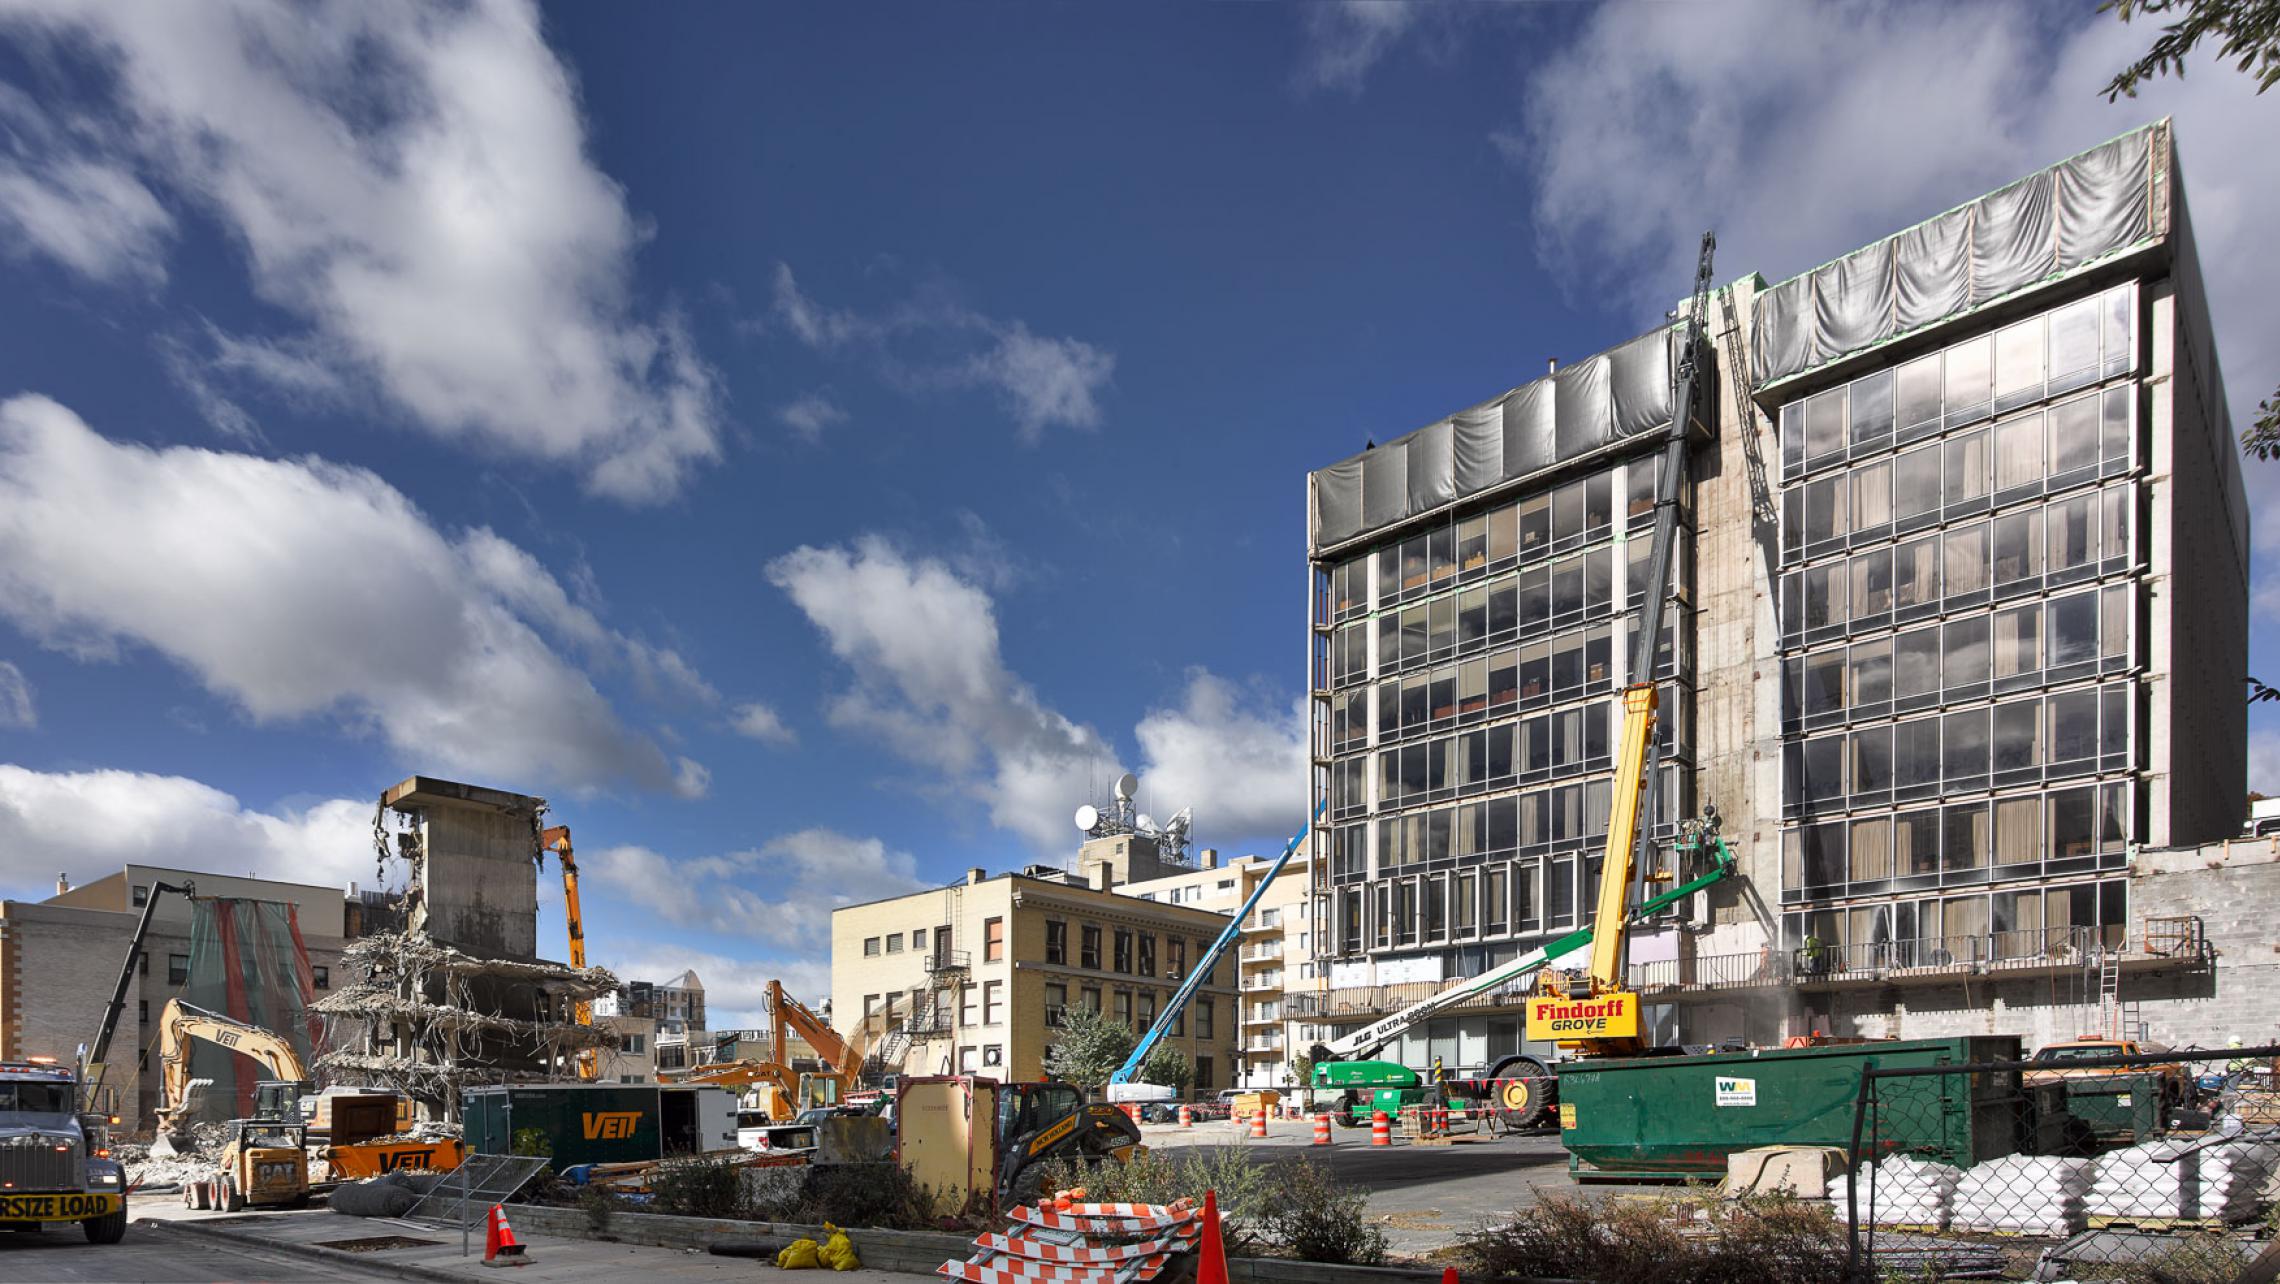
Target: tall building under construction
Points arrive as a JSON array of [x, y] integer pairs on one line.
[[1956, 642]]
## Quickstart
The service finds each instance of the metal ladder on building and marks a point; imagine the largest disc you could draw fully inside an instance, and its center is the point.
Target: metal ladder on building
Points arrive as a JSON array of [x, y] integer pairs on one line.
[[2119, 1019]]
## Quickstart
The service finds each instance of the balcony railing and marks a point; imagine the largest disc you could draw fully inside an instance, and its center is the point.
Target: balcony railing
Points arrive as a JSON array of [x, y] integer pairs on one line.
[[1264, 952]]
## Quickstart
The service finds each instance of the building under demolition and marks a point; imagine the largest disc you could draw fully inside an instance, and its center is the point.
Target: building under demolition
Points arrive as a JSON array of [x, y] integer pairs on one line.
[[1934, 648], [459, 995]]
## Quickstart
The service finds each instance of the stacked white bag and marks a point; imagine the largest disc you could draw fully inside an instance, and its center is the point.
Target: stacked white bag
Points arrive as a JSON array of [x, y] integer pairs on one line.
[[2027, 1194], [2233, 1176], [1905, 1191], [2152, 1179]]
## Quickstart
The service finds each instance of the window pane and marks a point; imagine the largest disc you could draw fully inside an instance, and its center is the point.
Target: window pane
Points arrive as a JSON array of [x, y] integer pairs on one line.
[[1872, 672], [1964, 560], [1916, 663], [1871, 850], [1472, 544], [1919, 396], [1916, 843], [2073, 435], [2114, 622], [2018, 641], [1825, 423], [1872, 407], [1916, 753], [2073, 629], [1964, 464], [2070, 530], [1872, 583], [2074, 339], [2018, 735], [1503, 533], [2018, 831], [1535, 524], [1916, 573], [2019, 360], [1825, 509], [1963, 747], [1916, 482], [2019, 452], [2073, 726], [1872, 496], [2018, 546], [1824, 682], [1825, 596], [1964, 842], [1965, 647], [1872, 760], [1967, 375], [2073, 823]]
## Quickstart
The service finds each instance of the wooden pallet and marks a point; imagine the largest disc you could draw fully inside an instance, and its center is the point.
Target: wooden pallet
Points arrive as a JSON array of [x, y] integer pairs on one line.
[[2163, 1225]]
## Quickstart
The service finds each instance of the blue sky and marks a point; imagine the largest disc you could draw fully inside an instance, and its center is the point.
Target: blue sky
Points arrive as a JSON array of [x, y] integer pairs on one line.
[[814, 445]]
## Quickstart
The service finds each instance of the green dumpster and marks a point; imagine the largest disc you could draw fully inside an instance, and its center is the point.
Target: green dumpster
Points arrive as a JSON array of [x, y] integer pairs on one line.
[[2120, 1109], [573, 1123], [1669, 1118]]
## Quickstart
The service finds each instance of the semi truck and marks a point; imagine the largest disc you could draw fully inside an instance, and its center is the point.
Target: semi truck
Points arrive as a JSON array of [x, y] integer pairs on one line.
[[55, 1162]]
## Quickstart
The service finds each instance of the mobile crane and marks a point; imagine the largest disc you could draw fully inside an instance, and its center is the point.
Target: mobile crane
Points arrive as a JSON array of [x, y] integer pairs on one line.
[[1593, 1013], [1589, 1013], [1121, 1087], [91, 1074], [557, 840]]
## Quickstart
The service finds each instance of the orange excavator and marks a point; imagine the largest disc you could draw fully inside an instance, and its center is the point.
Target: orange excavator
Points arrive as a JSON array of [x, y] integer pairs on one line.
[[842, 1060], [557, 840]]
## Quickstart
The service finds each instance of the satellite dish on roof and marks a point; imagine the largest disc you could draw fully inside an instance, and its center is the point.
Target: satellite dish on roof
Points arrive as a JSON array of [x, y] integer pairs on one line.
[[1127, 785], [1087, 817], [1147, 823], [1181, 820]]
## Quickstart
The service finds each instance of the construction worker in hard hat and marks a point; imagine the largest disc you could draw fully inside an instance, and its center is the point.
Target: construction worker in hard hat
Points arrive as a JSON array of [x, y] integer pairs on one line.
[[2238, 1065]]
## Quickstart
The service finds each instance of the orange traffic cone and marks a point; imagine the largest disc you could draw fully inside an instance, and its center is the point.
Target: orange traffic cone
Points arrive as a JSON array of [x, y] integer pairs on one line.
[[1448, 1275], [500, 1247], [1212, 1269]]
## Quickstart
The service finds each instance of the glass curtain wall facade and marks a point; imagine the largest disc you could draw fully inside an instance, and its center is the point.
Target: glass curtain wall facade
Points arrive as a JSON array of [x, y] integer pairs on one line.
[[1467, 677], [1961, 606]]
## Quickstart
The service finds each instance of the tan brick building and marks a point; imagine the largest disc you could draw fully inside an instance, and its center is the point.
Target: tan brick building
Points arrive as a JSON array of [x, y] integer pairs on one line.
[[975, 977], [60, 957]]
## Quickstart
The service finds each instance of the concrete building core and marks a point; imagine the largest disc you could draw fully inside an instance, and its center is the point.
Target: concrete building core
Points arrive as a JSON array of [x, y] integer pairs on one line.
[[1935, 647], [474, 879]]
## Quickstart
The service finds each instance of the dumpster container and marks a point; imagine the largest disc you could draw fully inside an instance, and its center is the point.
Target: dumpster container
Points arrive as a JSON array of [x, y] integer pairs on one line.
[[575, 1123], [1669, 1118], [2120, 1109]]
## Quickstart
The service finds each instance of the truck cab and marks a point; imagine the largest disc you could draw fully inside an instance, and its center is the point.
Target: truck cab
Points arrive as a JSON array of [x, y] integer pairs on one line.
[[55, 1163]]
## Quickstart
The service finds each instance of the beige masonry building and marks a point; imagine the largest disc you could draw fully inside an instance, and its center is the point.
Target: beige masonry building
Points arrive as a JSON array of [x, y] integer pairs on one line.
[[974, 978]]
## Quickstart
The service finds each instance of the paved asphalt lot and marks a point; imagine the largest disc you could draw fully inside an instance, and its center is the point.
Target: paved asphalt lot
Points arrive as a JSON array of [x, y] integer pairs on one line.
[[149, 1253], [1422, 1195]]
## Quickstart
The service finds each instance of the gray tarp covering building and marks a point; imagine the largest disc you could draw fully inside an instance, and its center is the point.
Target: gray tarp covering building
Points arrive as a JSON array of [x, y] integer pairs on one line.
[[1593, 403], [2107, 200]]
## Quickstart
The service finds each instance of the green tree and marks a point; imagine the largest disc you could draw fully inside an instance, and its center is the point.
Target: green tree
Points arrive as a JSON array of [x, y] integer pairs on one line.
[[1089, 1049], [1302, 1070], [1168, 1067], [2248, 33]]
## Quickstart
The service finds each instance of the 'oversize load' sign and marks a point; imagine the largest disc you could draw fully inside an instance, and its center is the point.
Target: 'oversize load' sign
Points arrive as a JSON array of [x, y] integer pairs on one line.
[[1608, 1016], [55, 1208]]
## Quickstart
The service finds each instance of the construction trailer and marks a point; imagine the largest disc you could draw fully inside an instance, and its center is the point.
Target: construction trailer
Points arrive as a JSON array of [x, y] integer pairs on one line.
[[598, 1123]]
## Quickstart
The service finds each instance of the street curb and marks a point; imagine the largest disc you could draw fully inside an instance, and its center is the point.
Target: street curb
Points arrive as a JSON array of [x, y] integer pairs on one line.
[[366, 1262]]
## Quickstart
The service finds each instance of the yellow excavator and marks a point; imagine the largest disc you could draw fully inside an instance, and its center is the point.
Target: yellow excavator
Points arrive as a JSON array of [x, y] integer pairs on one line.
[[556, 839], [266, 1159]]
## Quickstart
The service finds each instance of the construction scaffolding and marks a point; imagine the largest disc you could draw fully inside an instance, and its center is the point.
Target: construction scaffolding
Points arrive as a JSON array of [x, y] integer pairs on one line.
[[248, 962]]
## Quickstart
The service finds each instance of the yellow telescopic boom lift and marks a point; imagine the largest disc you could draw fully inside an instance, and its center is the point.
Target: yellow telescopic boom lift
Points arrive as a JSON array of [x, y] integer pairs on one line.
[[1593, 1013]]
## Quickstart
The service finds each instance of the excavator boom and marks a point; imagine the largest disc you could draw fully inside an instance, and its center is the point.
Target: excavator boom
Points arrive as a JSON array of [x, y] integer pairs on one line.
[[557, 840]]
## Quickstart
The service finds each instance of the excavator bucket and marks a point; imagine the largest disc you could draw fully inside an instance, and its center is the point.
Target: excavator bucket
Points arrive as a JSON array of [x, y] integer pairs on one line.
[[173, 1136]]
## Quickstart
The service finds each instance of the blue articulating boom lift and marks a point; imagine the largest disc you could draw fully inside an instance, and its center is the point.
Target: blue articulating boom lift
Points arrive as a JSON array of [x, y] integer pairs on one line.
[[1122, 1084]]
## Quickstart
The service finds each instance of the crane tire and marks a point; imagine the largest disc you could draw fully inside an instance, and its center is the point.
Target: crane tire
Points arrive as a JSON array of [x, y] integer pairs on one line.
[[1526, 1102]]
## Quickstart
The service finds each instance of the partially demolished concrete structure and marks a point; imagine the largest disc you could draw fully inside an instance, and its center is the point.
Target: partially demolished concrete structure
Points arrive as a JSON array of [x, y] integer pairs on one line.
[[459, 997]]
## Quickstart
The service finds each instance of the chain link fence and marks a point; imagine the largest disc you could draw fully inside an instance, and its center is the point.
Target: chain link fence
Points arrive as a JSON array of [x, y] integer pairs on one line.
[[2080, 1164]]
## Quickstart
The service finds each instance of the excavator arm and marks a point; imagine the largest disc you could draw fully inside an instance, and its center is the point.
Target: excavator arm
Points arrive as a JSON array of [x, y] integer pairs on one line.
[[557, 840], [182, 1024], [843, 1057]]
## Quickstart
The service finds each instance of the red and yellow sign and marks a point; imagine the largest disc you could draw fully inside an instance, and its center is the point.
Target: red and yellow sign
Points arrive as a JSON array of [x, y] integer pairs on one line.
[[1604, 1016]]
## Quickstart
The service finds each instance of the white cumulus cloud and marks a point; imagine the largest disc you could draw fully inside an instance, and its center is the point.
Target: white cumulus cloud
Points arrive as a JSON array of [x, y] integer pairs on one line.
[[410, 182], [16, 708], [780, 893], [934, 342], [810, 415], [757, 721], [304, 589], [930, 682], [90, 823]]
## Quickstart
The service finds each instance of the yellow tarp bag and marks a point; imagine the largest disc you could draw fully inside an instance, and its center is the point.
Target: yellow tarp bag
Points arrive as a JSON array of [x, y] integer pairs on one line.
[[838, 1252], [799, 1255]]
